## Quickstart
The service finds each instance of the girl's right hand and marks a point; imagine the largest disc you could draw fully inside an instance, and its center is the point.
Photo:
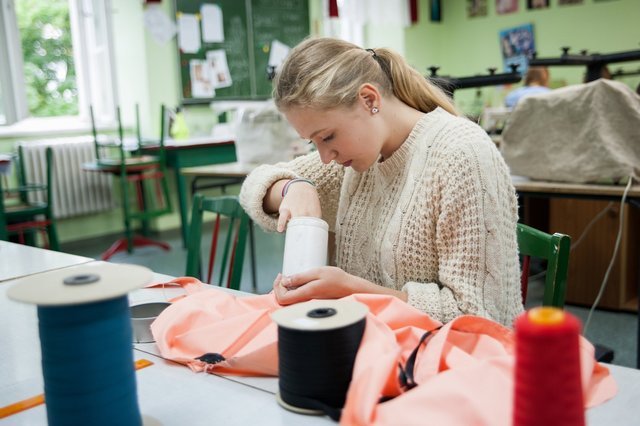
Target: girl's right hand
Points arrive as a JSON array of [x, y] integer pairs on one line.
[[301, 199]]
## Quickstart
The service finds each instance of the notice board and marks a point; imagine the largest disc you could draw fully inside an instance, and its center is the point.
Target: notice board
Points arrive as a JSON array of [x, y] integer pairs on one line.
[[224, 45]]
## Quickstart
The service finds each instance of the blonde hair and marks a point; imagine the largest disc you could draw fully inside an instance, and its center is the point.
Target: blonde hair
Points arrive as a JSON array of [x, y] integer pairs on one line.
[[325, 73]]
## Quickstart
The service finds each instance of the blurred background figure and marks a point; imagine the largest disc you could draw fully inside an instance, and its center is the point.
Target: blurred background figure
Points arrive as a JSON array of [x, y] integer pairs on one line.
[[536, 81]]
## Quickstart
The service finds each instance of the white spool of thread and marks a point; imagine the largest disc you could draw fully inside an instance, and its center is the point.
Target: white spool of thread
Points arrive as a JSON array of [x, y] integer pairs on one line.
[[305, 245]]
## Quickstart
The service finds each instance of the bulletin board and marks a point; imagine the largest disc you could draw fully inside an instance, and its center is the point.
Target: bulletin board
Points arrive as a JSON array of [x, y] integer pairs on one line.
[[224, 45]]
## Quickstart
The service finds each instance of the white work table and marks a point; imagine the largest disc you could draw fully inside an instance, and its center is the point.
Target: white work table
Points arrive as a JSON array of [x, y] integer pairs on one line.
[[18, 260], [171, 394]]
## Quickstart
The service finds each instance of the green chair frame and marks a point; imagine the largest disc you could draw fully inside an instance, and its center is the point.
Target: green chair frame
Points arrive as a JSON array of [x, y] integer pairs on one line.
[[555, 249], [23, 219], [232, 256], [136, 167]]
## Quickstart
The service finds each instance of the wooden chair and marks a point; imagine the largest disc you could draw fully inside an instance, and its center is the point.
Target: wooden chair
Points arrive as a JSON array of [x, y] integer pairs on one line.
[[232, 260], [21, 214], [555, 250], [143, 182]]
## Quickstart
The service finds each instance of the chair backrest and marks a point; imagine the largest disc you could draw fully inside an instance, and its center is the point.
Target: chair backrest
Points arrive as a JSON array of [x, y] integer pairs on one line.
[[232, 259], [555, 249], [28, 202]]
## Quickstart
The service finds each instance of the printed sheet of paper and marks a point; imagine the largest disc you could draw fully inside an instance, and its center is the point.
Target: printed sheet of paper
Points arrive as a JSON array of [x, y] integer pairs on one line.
[[188, 33], [201, 84], [160, 27], [220, 75], [212, 26], [278, 53]]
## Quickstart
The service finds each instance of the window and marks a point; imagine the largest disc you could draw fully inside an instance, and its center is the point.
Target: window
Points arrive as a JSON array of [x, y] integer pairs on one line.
[[59, 60]]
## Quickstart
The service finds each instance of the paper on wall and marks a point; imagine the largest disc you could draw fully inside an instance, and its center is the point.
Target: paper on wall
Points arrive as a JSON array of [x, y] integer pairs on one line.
[[201, 84], [160, 27], [212, 26], [188, 33], [278, 53], [219, 69]]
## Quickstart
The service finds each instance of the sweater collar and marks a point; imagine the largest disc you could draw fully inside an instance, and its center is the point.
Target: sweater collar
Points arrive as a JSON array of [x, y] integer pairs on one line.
[[401, 156]]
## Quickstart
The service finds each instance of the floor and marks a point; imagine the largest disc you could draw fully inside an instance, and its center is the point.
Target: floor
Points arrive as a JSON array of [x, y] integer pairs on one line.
[[615, 330]]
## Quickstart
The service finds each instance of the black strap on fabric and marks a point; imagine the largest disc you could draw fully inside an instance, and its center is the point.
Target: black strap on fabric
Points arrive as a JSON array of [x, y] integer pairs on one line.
[[406, 374], [211, 358]]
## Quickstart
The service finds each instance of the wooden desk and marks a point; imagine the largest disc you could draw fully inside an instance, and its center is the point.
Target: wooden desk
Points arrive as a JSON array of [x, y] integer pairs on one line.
[[171, 394], [18, 260], [232, 170], [574, 190], [625, 284], [195, 152]]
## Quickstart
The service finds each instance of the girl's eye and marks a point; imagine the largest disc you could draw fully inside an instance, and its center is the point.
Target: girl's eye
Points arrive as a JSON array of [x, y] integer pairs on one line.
[[309, 142], [328, 138]]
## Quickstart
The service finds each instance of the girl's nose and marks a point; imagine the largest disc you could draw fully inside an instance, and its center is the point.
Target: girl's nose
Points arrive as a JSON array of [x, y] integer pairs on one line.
[[327, 155]]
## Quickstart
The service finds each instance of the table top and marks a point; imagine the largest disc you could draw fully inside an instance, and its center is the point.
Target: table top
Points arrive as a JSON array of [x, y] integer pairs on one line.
[[171, 394], [526, 185], [17, 260], [220, 170]]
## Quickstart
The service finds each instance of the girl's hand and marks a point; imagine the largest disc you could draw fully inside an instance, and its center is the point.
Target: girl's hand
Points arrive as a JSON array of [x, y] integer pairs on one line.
[[326, 282], [301, 200]]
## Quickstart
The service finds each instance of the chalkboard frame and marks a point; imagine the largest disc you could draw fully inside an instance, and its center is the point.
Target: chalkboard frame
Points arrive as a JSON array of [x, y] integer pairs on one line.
[[248, 48]]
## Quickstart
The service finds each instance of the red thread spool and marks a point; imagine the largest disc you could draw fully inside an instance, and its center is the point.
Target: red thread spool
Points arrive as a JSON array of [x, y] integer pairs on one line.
[[548, 388]]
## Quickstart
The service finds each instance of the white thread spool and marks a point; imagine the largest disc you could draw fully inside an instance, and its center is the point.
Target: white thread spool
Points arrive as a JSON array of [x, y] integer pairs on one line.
[[305, 245]]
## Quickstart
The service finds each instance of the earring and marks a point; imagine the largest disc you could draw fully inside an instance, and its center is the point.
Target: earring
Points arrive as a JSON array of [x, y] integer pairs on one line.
[[374, 110]]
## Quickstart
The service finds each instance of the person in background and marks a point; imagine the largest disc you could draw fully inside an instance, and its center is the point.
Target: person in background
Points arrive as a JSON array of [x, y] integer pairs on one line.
[[535, 82], [419, 198]]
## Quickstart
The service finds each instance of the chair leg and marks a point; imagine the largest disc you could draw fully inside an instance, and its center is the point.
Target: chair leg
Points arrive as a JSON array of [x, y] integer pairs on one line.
[[603, 353], [136, 241], [52, 233], [252, 253]]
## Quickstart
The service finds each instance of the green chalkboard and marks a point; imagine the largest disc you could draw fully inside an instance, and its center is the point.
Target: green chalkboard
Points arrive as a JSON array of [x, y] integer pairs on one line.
[[249, 28]]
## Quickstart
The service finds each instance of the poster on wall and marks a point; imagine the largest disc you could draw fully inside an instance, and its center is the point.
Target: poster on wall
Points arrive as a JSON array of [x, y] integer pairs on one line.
[[537, 4], [506, 6], [476, 8], [517, 46]]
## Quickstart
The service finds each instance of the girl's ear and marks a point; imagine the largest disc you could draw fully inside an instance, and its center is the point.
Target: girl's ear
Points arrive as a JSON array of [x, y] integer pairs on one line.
[[369, 97]]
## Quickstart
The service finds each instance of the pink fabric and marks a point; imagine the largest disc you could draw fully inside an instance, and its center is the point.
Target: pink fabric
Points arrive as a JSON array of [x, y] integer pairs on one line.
[[464, 372]]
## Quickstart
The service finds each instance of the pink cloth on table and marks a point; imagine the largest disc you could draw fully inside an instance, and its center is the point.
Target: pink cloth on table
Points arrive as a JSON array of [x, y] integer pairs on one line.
[[464, 372]]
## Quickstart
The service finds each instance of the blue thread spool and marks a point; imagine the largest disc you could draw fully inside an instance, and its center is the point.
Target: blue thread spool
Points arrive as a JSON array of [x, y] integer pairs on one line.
[[85, 338]]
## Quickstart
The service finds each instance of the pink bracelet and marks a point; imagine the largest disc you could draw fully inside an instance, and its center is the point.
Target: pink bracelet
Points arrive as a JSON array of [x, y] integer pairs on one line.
[[285, 188]]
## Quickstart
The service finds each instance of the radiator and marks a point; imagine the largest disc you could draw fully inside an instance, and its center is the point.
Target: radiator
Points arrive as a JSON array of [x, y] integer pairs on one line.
[[74, 191]]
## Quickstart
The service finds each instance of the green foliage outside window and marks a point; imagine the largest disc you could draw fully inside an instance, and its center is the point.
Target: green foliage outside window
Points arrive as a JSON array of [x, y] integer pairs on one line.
[[49, 71]]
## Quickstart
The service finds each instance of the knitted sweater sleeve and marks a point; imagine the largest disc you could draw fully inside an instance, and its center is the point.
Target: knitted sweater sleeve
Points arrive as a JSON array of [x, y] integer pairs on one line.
[[474, 214], [327, 178]]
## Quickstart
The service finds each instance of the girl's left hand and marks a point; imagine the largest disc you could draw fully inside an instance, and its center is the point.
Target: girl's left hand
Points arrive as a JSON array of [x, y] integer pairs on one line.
[[326, 282]]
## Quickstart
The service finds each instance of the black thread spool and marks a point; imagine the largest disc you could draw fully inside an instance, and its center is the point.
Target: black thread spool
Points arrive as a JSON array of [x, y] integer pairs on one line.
[[317, 346]]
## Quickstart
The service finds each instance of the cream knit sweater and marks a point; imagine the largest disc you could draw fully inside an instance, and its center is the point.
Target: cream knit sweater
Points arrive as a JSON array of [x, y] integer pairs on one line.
[[437, 219]]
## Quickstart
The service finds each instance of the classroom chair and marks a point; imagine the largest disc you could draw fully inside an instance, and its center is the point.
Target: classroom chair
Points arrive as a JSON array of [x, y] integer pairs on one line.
[[22, 212], [144, 189], [552, 248], [232, 260], [555, 250]]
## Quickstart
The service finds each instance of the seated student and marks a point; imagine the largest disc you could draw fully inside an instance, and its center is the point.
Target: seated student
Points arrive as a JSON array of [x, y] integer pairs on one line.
[[419, 197], [535, 82]]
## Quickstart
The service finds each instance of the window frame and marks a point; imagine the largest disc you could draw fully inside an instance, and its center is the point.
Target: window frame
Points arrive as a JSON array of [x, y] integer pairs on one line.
[[92, 36]]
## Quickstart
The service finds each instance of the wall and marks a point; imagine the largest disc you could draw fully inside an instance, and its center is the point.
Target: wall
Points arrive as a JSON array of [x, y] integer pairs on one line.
[[464, 46], [147, 72]]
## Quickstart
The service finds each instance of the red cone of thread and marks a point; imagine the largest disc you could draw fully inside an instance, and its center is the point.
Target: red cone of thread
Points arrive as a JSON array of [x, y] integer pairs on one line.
[[548, 389]]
